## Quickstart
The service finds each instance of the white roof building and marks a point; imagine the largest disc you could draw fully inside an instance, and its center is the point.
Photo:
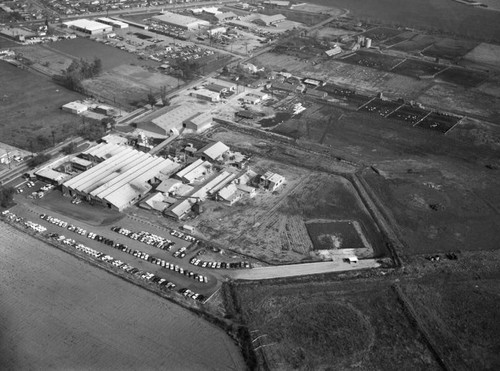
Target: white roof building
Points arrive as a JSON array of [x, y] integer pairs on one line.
[[181, 21], [213, 151], [88, 26], [120, 180], [75, 107]]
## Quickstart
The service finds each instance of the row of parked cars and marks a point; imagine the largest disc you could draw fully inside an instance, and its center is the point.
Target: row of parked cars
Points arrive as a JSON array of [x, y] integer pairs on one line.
[[137, 253], [219, 265], [146, 237], [184, 236], [162, 282], [10, 216]]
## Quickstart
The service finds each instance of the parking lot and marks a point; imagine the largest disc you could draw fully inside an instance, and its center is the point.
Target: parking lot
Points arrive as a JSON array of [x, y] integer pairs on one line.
[[157, 254]]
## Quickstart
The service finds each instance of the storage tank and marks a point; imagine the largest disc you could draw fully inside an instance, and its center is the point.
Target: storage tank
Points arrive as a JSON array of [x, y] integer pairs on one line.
[[368, 42]]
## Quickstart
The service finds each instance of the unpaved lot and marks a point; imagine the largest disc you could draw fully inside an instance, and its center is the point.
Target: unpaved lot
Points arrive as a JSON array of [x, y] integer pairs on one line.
[[58, 312]]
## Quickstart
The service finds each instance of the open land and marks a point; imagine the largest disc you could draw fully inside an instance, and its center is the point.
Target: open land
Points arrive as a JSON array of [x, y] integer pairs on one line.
[[459, 99], [463, 318], [31, 107], [440, 16], [331, 324], [59, 312]]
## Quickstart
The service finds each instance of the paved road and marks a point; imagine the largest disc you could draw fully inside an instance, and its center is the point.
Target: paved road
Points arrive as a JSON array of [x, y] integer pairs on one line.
[[305, 269]]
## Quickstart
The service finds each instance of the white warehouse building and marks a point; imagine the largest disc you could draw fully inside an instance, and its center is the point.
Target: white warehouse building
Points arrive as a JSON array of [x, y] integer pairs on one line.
[[181, 21], [88, 27]]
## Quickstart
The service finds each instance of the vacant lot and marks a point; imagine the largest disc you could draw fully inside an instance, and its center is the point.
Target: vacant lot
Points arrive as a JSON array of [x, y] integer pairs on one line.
[[128, 85], [58, 312], [46, 59], [463, 320], [6, 43], [30, 109], [320, 326], [435, 212]]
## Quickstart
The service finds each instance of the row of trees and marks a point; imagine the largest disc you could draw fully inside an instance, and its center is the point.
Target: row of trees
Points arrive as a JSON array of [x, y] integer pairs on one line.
[[6, 196]]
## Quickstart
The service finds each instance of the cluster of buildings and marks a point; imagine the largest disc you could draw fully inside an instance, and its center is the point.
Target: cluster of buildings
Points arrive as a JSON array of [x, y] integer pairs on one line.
[[215, 173]]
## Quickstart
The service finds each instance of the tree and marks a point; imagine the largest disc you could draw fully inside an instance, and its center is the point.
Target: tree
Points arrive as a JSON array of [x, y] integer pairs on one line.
[[151, 99], [6, 196], [38, 160], [69, 149], [93, 130], [97, 67], [163, 95]]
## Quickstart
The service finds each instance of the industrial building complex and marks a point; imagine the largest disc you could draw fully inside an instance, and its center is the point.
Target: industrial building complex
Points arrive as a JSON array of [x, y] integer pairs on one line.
[[122, 177], [181, 21]]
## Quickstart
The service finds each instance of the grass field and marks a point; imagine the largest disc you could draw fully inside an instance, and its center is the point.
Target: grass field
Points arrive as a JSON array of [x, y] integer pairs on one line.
[[88, 49], [462, 77], [415, 43], [462, 319], [334, 235], [6, 43], [485, 54], [417, 68], [30, 107], [373, 60], [331, 325], [58, 312]]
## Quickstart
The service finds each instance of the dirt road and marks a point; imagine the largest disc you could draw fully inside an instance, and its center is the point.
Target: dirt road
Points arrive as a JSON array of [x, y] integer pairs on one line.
[[305, 269]]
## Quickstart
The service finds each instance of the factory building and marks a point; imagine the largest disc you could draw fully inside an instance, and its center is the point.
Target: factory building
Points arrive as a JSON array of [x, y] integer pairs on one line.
[[88, 27], [123, 178], [181, 21], [213, 151], [112, 22], [166, 121], [199, 122]]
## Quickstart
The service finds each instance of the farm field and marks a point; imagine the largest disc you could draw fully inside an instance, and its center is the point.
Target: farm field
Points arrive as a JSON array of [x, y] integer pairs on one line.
[[438, 122], [463, 320], [477, 132], [331, 325], [271, 227], [31, 108], [408, 114], [450, 49], [415, 43], [380, 34], [462, 77], [416, 68], [459, 99], [436, 212], [80, 316], [485, 54], [458, 19]]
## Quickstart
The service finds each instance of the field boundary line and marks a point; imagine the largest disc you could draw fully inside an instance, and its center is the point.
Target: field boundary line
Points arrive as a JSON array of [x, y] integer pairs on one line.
[[458, 122], [364, 104], [412, 315], [404, 60]]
